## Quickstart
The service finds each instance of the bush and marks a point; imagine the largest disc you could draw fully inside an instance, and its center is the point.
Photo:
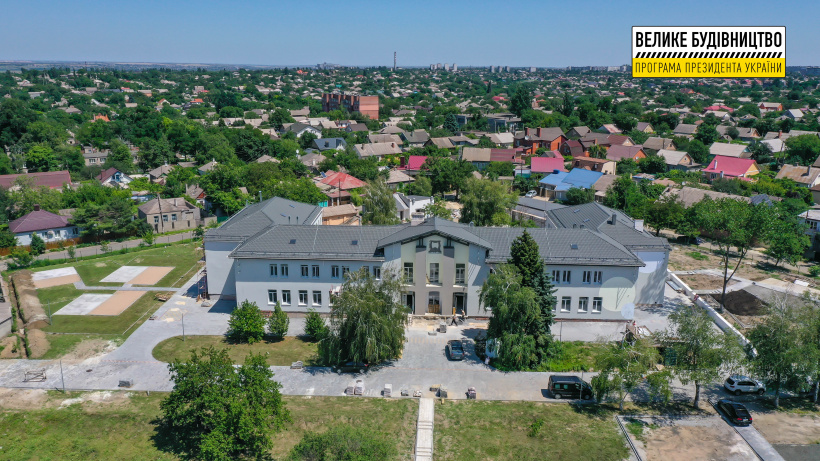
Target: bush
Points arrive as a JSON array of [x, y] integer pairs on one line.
[[21, 258], [697, 255], [278, 323], [814, 271], [344, 442], [38, 246], [246, 324], [315, 325]]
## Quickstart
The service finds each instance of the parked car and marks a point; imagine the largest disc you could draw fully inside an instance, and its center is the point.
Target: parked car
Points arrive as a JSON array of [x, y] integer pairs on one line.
[[737, 385], [352, 367], [531, 193], [736, 412], [455, 349], [570, 387]]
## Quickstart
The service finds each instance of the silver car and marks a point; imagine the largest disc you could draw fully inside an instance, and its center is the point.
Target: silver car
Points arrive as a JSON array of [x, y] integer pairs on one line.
[[531, 194], [737, 385]]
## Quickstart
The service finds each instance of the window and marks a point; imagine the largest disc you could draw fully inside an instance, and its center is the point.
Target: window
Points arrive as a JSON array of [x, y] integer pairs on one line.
[[448, 243], [303, 297], [75, 231], [92, 160], [345, 270], [377, 272], [596, 305], [286, 297], [283, 270], [813, 225], [274, 270], [566, 277], [556, 276], [583, 305], [566, 304], [420, 243], [408, 299], [460, 271], [156, 219], [314, 271], [174, 217], [598, 277], [408, 272], [165, 218], [304, 270], [435, 246], [334, 271], [433, 273], [587, 277], [317, 298], [272, 297]]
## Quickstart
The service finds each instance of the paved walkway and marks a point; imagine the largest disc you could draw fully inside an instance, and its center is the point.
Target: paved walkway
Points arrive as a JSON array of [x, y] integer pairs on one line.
[[761, 446], [424, 430], [125, 287]]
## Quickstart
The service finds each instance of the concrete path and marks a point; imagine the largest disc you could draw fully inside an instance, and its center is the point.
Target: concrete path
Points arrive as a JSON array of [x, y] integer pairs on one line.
[[424, 430], [761, 446], [127, 287]]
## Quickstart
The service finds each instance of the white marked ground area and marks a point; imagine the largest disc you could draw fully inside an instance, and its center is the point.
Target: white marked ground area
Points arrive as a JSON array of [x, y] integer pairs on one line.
[[55, 277], [84, 304], [124, 274]]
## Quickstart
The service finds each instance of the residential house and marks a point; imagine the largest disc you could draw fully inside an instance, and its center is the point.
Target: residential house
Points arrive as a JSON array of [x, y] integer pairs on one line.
[[811, 218], [441, 143], [207, 167], [395, 177], [806, 176], [556, 185], [114, 177], [730, 150], [337, 186], [794, 114], [602, 185], [503, 122], [478, 156], [366, 105], [645, 127], [547, 165], [678, 160], [198, 195], [169, 214], [605, 140], [609, 128], [769, 107], [356, 128], [394, 138], [743, 134], [506, 155], [411, 207], [578, 132], [95, 157], [379, 149], [602, 165], [342, 215], [689, 196], [730, 168], [415, 138], [299, 129], [532, 139], [49, 226], [573, 148], [50, 179], [603, 263], [655, 144], [312, 161], [685, 129], [503, 139], [326, 144], [413, 165], [618, 153], [159, 172]]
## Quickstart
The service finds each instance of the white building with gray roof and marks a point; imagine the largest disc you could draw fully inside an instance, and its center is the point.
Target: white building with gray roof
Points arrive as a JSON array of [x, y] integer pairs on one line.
[[603, 263]]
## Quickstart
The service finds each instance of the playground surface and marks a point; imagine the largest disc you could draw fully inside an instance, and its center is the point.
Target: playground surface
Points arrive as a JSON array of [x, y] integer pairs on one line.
[[138, 275], [55, 277], [101, 303]]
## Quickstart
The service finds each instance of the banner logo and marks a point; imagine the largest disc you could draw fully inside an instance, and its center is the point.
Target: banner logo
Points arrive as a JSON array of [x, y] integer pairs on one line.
[[722, 52]]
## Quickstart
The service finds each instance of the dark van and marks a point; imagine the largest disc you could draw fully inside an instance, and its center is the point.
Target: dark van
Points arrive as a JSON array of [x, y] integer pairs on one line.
[[569, 387]]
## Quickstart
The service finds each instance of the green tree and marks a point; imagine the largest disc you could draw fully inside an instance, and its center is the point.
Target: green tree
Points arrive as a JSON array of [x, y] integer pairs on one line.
[[626, 166], [521, 100], [120, 157], [366, 320], [525, 256], [652, 164], [787, 241], [707, 134], [38, 246], [579, 196], [41, 158], [597, 151], [219, 412], [451, 123], [379, 206], [623, 367], [421, 186], [21, 257], [664, 213], [698, 351], [485, 142], [246, 324], [804, 148], [698, 151], [486, 202], [7, 238], [438, 208], [315, 325], [278, 323]]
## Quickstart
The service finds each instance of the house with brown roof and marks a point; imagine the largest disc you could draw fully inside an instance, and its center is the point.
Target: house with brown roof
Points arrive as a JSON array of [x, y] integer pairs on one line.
[[685, 129], [730, 150], [573, 148], [113, 177], [441, 143], [618, 153], [341, 215], [49, 226], [601, 165], [50, 179], [169, 214], [645, 127], [577, 132], [379, 149], [606, 140], [806, 176], [678, 160], [769, 107], [655, 143], [478, 156], [609, 128], [532, 139]]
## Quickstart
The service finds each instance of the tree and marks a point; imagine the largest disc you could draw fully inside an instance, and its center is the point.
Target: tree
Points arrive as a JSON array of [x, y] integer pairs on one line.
[[7, 238], [699, 351], [664, 213], [366, 320], [623, 367], [315, 325], [41, 158], [486, 202], [379, 206], [804, 148], [787, 241], [652, 164], [21, 257], [776, 340], [278, 323], [485, 142], [421, 186], [219, 412], [438, 208], [809, 331], [597, 151], [246, 324], [707, 134], [698, 151], [579, 196], [120, 157], [732, 224], [38, 246], [451, 123], [525, 256], [521, 100]]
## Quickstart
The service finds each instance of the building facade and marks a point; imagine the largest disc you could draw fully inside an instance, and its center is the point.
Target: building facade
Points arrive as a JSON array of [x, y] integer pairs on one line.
[[366, 105]]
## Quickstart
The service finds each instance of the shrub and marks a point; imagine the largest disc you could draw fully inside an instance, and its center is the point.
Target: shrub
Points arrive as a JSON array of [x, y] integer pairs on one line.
[[246, 324], [814, 271], [278, 322], [38, 246], [344, 442], [72, 252], [697, 255], [315, 325], [21, 258]]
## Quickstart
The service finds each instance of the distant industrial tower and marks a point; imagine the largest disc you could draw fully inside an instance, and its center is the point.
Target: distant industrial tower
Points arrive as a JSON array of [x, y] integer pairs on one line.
[[394, 61]]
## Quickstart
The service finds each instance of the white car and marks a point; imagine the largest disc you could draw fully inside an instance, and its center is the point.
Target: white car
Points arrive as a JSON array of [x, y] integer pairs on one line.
[[743, 384], [531, 193]]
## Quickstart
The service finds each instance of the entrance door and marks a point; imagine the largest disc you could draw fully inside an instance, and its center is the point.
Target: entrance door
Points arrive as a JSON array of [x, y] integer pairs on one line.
[[459, 303], [409, 299], [433, 303]]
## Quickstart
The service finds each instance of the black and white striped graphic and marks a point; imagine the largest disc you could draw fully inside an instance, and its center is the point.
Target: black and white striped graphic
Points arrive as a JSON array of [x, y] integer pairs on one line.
[[708, 54]]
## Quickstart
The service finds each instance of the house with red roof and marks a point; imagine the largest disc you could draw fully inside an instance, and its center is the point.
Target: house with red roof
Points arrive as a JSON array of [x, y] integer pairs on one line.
[[50, 179], [337, 186], [547, 165], [113, 177], [731, 167], [104, 118], [506, 155], [413, 165], [49, 226]]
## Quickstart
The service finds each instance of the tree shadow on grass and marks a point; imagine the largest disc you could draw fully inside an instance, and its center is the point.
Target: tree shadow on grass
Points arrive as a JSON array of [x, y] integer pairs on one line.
[[166, 441]]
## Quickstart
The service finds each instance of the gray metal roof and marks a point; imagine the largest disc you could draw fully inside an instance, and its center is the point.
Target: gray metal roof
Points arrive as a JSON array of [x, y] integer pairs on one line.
[[316, 242], [599, 218], [259, 216], [435, 225]]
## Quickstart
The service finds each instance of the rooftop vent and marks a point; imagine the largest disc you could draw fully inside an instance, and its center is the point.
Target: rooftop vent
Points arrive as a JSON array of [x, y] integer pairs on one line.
[[576, 211], [293, 241], [355, 242], [573, 246], [586, 220]]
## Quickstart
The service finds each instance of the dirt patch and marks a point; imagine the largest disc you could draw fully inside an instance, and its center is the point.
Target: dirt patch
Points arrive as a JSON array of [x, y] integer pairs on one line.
[[10, 349], [685, 443], [23, 399], [100, 398], [151, 275], [57, 281], [27, 301], [90, 348], [788, 428], [742, 303], [704, 281], [100, 264], [37, 343]]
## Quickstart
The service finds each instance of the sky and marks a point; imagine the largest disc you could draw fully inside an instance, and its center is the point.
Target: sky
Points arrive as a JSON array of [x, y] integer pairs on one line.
[[514, 33]]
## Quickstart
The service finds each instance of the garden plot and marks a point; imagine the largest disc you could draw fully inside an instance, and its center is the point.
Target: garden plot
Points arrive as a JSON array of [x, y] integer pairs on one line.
[[101, 303], [137, 275], [55, 277]]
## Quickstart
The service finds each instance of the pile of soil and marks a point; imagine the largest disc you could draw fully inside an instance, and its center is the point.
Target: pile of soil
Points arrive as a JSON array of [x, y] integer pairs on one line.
[[9, 344], [28, 303], [37, 343], [741, 302]]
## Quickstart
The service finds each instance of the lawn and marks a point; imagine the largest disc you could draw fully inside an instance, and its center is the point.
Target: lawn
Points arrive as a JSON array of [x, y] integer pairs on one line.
[[476, 430], [575, 356], [284, 352], [123, 324], [55, 298], [124, 429], [183, 257]]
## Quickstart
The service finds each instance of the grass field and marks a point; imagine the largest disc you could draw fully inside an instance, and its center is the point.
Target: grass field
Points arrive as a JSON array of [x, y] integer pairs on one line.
[[55, 298], [476, 430], [183, 257], [122, 325], [123, 428], [284, 353]]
